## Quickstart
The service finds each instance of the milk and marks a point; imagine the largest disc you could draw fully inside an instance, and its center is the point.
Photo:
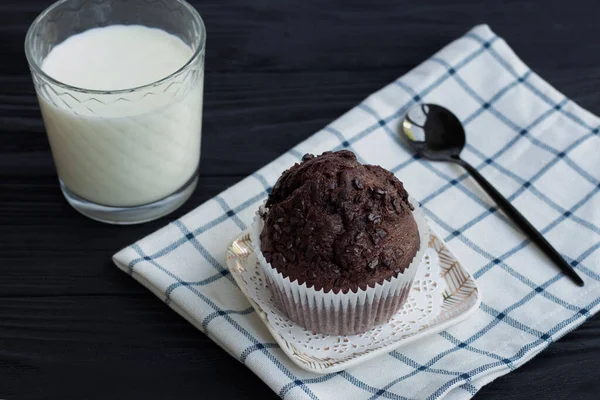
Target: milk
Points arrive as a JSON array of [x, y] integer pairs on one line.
[[127, 148]]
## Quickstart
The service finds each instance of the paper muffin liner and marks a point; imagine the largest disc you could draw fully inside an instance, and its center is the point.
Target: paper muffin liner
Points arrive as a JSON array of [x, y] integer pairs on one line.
[[341, 313]]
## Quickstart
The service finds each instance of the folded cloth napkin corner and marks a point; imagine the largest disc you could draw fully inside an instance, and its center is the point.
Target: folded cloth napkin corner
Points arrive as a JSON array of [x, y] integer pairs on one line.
[[534, 144]]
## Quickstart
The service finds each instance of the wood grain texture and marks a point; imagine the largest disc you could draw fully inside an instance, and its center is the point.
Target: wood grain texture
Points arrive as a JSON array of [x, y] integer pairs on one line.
[[72, 326]]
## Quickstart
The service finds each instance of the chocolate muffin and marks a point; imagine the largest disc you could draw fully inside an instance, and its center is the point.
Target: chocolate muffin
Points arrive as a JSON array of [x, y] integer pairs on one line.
[[336, 224], [339, 244]]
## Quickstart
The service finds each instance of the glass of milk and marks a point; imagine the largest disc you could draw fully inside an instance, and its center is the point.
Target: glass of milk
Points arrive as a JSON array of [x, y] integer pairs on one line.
[[120, 86]]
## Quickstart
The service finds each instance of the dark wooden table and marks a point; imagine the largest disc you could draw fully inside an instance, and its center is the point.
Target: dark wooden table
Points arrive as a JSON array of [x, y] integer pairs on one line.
[[74, 327]]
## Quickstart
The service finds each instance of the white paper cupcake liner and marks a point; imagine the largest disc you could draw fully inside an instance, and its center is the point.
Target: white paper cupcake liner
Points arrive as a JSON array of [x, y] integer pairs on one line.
[[341, 313]]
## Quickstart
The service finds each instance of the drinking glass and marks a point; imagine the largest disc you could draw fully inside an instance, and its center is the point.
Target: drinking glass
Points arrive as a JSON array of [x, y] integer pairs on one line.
[[130, 155]]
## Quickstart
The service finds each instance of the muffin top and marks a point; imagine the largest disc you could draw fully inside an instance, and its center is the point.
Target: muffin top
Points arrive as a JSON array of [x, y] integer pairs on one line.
[[336, 224]]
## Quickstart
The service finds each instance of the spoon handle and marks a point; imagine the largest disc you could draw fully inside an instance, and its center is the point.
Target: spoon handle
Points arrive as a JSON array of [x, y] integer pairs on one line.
[[522, 222]]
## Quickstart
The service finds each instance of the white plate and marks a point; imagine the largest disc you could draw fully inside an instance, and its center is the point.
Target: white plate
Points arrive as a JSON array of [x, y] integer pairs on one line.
[[443, 294]]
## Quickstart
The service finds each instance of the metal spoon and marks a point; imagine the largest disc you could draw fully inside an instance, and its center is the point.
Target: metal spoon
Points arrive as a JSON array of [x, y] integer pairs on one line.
[[436, 134]]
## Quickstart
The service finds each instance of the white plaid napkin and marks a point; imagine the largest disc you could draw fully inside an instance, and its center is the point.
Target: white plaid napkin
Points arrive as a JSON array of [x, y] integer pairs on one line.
[[536, 146]]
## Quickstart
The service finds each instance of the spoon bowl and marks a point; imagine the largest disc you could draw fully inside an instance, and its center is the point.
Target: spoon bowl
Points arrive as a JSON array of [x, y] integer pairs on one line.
[[434, 132]]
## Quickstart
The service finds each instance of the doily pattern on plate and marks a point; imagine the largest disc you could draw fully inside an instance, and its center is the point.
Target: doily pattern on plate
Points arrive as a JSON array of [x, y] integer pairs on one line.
[[443, 294], [423, 304]]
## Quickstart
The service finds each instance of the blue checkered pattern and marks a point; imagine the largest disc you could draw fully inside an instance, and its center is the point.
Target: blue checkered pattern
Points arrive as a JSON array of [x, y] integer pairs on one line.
[[538, 148]]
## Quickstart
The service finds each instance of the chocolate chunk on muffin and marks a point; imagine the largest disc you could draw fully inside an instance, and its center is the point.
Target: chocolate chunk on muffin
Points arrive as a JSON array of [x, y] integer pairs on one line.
[[336, 224]]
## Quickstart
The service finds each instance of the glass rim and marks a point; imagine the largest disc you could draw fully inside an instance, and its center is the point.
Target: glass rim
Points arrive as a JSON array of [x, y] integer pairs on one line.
[[35, 67]]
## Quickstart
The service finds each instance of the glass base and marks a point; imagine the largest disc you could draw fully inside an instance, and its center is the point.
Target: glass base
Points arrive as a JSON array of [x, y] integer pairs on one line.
[[130, 215]]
